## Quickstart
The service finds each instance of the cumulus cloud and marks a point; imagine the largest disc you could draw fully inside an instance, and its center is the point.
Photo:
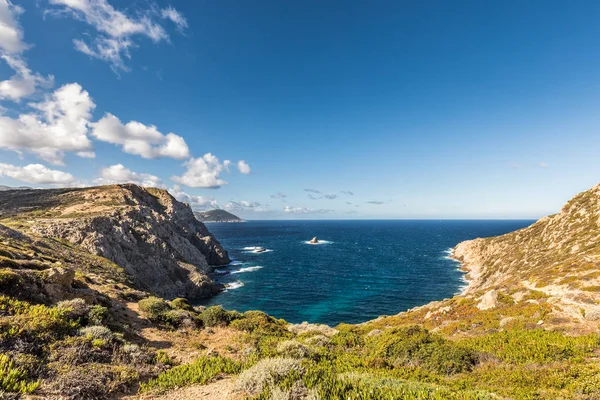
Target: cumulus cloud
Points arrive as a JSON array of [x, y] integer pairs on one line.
[[198, 203], [278, 196], [243, 167], [37, 174], [59, 124], [116, 30], [375, 202], [304, 210], [202, 172], [119, 174], [139, 139], [24, 82]]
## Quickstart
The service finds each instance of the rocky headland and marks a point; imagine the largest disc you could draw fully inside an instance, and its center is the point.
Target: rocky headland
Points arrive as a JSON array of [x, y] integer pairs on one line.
[[157, 240]]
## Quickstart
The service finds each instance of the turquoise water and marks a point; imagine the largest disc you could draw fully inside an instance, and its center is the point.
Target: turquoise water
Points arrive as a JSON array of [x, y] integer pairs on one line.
[[362, 270]]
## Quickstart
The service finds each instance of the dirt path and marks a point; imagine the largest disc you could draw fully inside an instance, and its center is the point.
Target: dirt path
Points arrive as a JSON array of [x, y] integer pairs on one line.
[[217, 390]]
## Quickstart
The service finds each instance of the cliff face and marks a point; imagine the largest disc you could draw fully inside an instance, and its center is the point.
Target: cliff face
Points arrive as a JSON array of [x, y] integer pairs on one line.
[[156, 239]]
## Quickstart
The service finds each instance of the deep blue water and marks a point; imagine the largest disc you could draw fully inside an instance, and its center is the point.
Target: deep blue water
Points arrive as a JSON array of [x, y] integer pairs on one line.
[[364, 270]]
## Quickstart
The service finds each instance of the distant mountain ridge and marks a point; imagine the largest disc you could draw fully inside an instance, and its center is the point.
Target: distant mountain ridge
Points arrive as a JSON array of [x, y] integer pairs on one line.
[[217, 215]]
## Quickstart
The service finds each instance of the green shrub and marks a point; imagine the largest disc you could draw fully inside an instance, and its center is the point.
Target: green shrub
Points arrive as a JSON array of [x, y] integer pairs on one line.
[[97, 332], [33, 323], [176, 318], [97, 314], [294, 349], [266, 373], [8, 279], [416, 346], [199, 372], [13, 379], [181, 304], [153, 307], [217, 316], [74, 308], [260, 323]]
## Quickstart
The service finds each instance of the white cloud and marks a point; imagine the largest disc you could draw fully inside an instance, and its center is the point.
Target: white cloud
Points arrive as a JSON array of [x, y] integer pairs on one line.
[[226, 164], [175, 16], [24, 82], [278, 196], [116, 29], [11, 33], [304, 210], [37, 174], [544, 165], [203, 172], [243, 167], [139, 139], [375, 202], [58, 125], [119, 174], [196, 202]]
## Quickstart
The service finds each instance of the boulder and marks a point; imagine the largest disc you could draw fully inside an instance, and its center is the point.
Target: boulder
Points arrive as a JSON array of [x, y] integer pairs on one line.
[[488, 300], [60, 276], [314, 240]]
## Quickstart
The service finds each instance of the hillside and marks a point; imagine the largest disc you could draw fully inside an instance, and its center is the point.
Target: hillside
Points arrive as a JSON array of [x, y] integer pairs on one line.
[[155, 238], [217, 216], [74, 323]]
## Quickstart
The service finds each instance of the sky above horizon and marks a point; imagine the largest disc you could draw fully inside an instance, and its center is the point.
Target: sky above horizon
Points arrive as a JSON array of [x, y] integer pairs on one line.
[[307, 110]]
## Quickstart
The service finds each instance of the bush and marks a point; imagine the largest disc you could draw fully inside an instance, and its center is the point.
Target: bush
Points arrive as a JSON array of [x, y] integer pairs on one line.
[[267, 373], [97, 315], [217, 316], [8, 279], [177, 318], [181, 304], [153, 307], [199, 372], [14, 379], [293, 349], [75, 308], [260, 323], [33, 323], [97, 332], [415, 346]]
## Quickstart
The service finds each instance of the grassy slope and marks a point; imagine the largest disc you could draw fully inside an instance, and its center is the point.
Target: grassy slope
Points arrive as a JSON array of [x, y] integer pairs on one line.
[[534, 343]]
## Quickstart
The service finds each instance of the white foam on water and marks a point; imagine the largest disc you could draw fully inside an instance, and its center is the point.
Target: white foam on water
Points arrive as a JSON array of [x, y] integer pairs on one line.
[[234, 285], [220, 271], [235, 263], [318, 243], [247, 269]]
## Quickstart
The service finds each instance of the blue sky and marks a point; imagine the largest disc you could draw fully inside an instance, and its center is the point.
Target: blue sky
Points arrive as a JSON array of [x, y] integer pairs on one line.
[[312, 109]]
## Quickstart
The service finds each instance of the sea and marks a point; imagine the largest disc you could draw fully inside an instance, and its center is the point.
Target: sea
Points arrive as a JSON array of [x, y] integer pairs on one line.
[[358, 271]]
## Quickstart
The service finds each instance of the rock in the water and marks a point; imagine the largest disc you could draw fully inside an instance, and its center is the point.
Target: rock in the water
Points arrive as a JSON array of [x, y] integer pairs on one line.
[[314, 240]]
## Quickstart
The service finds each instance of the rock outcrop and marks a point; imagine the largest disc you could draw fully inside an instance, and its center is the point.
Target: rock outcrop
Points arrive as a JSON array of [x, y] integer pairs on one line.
[[559, 256], [157, 240], [217, 216]]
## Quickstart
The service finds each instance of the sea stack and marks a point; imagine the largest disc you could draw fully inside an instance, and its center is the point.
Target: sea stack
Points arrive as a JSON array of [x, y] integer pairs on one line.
[[314, 240]]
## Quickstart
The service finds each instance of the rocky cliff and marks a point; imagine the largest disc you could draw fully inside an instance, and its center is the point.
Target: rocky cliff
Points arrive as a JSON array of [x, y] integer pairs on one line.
[[157, 240]]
